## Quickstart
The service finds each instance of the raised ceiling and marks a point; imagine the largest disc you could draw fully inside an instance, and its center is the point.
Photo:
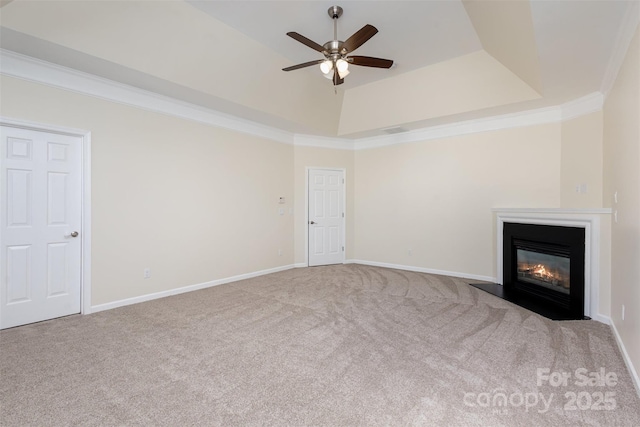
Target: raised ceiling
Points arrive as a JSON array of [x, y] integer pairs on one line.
[[454, 59]]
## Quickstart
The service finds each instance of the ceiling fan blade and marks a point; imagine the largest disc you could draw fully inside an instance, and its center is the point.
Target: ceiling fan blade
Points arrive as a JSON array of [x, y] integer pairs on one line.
[[359, 38], [336, 78], [303, 65], [367, 61], [305, 41]]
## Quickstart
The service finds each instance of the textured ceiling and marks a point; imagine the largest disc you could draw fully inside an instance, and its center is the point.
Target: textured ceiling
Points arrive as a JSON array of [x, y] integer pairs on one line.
[[454, 59]]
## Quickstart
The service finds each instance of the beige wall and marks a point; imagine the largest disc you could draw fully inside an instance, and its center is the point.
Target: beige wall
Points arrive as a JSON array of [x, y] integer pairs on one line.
[[310, 157], [622, 175], [192, 202], [197, 203], [435, 197], [581, 162], [581, 165]]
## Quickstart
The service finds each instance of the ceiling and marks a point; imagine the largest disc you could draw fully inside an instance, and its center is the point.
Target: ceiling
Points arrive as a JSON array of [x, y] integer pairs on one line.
[[430, 32], [454, 59]]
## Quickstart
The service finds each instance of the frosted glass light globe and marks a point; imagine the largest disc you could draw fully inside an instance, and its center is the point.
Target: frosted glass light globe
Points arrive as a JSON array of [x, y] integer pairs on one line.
[[326, 67]]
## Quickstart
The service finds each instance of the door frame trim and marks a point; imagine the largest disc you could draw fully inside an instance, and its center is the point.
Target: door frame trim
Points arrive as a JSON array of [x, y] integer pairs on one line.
[[306, 211], [85, 196]]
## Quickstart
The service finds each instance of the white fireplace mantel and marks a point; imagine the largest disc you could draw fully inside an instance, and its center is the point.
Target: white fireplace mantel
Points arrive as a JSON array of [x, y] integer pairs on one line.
[[589, 219]]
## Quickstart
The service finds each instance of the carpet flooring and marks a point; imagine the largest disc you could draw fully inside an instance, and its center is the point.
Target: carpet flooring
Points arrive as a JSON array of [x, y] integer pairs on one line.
[[344, 345]]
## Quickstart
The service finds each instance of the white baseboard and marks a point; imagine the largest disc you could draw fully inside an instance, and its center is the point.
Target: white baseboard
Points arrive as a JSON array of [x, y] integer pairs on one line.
[[601, 318], [626, 358], [300, 265], [422, 270], [156, 295]]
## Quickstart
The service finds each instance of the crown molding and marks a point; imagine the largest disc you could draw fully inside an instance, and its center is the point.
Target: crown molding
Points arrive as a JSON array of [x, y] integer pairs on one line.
[[623, 40], [582, 106], [323, 142], [35, 70], [506, 121]]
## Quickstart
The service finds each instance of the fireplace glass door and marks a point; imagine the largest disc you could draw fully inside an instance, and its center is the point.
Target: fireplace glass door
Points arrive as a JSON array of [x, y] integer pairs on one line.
[[549, 271]]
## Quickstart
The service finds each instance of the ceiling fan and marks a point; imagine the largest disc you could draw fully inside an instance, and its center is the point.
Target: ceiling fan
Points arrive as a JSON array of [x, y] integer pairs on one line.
[[335, 64]]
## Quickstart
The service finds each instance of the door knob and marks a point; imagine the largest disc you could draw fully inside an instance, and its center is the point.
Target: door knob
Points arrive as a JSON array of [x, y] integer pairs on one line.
[[311, 222], [72, 234]]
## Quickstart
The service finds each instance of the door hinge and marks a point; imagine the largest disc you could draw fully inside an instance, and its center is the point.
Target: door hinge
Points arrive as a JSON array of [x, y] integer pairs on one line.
[[342, 214], [343, 180], [343, 249]]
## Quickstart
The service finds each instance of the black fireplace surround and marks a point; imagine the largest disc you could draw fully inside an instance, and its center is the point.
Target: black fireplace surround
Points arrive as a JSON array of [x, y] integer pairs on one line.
[[543, 269]]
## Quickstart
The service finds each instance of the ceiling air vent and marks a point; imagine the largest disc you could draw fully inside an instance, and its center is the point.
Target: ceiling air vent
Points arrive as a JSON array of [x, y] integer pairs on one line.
[[397, 129]]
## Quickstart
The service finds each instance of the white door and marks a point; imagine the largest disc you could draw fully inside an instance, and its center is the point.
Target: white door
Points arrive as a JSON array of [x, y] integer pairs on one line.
[[40, 215], [326, 217]]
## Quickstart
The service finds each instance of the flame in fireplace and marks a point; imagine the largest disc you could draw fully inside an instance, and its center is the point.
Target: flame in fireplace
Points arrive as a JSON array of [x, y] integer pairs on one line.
[[541, 272]]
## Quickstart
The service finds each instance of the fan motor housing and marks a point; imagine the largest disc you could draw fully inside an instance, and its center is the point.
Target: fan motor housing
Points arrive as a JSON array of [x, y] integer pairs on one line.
[[333, 46]]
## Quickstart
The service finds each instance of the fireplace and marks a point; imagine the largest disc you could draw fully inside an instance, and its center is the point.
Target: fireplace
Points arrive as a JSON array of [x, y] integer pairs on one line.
[[543, 268], [592, 221]]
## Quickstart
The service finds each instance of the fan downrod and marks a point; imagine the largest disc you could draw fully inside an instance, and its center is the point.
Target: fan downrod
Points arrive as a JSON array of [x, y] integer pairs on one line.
[[335, 12]]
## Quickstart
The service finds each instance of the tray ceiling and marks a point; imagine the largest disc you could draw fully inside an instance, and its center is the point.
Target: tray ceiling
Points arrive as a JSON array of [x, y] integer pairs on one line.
[[454, 59]]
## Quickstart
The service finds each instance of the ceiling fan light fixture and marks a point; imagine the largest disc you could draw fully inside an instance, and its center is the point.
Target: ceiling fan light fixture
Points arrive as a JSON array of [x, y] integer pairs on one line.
[[326, 67], [342, 65], [343, 74]]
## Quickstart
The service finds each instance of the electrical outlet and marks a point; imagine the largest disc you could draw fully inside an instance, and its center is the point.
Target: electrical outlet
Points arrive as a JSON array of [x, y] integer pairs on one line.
[[147, 273], [279, 252], [622, 311], [410, 252]]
